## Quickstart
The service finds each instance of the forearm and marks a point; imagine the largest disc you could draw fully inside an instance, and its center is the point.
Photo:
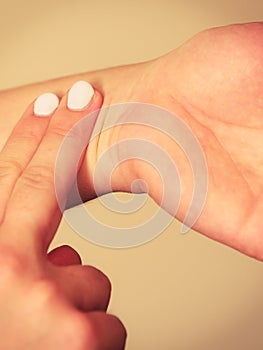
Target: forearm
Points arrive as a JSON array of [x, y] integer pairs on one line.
[[117, 85]]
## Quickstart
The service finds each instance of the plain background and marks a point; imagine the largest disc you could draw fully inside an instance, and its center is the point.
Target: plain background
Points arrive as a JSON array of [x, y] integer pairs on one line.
[[179, 291]]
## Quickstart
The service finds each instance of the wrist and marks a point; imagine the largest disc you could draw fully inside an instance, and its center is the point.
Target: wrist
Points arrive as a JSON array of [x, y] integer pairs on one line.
[[160, 149], [103, 170], [105, 167]]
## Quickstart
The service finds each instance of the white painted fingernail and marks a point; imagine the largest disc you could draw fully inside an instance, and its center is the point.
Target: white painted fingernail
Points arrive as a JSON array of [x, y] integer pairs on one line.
[[80, 95], [45, 105]]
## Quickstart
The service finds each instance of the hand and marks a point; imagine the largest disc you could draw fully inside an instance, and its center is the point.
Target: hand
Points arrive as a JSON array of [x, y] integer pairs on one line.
[[217, 80], [47, 301], [214, 83]]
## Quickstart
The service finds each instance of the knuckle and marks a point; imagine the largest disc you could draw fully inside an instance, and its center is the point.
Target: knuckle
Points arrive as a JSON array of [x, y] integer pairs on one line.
[[26, 136], [88, 333], [74, 132], [58, 131], [101, 277], [38, 177], [107, 290], [44, 292], [11, 264], [104, 286], [10, 168], [82, 332]]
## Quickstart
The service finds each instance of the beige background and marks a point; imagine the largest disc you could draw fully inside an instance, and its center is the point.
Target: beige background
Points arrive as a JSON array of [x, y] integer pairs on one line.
[[177, 292]]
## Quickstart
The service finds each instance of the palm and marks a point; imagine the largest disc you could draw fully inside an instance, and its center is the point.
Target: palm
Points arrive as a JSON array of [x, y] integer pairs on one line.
[[218, 80], [215, 83]]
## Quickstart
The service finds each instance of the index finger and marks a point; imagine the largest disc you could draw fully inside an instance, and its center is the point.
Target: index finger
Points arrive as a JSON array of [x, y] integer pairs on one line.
[[33, 214]]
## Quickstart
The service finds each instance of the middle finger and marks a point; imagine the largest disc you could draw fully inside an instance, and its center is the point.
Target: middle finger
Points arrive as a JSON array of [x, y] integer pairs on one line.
[[22, 144], [33, 204]]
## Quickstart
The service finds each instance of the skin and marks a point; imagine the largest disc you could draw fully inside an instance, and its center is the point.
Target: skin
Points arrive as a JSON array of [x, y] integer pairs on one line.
[[47, 301], [214, 84]]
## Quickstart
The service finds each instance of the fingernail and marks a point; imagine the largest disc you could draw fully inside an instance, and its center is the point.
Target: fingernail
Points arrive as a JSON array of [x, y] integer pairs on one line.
[[45, 105], [80, 95]]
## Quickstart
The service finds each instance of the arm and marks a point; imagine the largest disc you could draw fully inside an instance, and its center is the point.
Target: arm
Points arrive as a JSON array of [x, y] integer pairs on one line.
[[216, 90], [118, 85]]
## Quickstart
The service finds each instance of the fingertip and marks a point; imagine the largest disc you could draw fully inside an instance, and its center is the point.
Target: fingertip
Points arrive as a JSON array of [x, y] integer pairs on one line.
[[82, 96], [45, 105]]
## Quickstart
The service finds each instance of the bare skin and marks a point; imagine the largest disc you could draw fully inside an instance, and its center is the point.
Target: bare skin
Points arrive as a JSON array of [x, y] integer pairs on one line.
[[214, 83], [47, 301]]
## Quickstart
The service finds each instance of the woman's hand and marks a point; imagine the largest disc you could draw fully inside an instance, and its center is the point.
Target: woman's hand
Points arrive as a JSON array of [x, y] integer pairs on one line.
[[47, 301], [214, 83]]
